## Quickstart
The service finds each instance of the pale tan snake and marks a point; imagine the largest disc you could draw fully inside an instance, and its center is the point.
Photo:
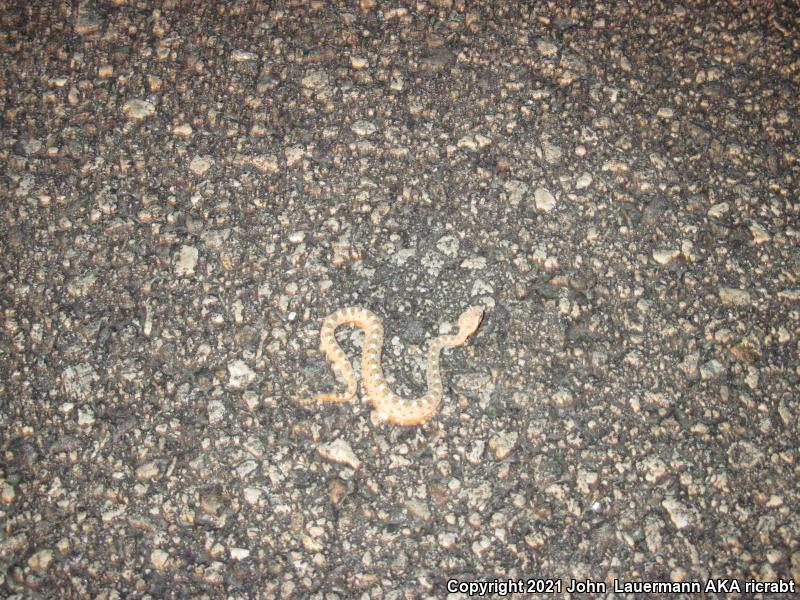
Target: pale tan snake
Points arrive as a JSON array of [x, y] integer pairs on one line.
[[389, 406]]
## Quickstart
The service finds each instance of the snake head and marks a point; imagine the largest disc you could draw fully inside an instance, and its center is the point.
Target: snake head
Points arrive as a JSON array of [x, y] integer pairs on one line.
[[469, 320]]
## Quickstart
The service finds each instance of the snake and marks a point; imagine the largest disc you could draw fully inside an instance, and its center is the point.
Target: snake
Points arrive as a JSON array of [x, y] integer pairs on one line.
[[388, 405]]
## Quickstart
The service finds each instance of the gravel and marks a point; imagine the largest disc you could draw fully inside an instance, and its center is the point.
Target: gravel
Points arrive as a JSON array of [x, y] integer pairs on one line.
[[190, 190]]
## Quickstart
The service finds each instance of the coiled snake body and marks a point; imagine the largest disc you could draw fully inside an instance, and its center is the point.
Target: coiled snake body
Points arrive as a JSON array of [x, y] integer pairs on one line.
[[394, 408]]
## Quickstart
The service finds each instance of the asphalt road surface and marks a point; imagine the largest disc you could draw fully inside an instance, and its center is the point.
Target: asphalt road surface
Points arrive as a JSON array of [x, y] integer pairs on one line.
[[190, 188]]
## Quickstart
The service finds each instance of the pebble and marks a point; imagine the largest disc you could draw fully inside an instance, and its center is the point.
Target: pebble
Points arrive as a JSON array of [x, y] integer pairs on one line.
[[239, 553], [719, 210], [563, 397], [216, 412], [474, 263], [468, 141], [517, 190], [41, 560], [184, 130], [81, 287], [760, 235], [341, 452], [552, 152], [481, 287], [503, 444], [215, 239], [86, 417], [713, 369], [655, 469], [78, 381], [679, 514], [418, 510], [359, 62], [337, 490], [201, 164], [252, 495], [734, 296], [159, 558], [243, 56], [585, 480], [744, 455], [138, 109], [664, 256], [316, 80], [475, 454], [240, 375], [546, 48], [665, 112], [147, 471], [544, 200], [436, 60], [584, 181], [448, 245], [363, 128], [214, 573], [186, 261], [690, 364], [266, 163], [246, 468], [482, 141], [294, 154], [88, 21], [7, 493]]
